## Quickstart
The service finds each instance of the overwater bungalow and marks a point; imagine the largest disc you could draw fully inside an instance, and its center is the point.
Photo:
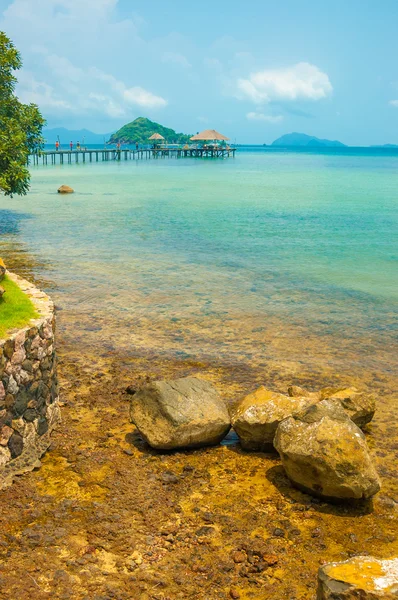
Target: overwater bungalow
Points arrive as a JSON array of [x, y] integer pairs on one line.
[[157, 140], [210, 138]]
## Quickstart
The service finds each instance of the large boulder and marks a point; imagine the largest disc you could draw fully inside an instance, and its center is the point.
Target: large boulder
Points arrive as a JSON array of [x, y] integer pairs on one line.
[[183, 413], [360, 578], [2, 269], [65, 189], [325, 454], [257, 416], [359, 406]]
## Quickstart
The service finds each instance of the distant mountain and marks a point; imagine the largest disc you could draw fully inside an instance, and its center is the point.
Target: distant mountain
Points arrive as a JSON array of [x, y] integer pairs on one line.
[[301, 139], [384, 146], [141, 129], [70, 135]]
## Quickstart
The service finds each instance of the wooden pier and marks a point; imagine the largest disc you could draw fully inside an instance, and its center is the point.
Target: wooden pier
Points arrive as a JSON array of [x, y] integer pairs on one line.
[[101, 155]]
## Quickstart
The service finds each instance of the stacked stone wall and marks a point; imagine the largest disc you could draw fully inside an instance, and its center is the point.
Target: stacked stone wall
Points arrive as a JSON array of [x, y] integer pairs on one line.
[[29, 395]]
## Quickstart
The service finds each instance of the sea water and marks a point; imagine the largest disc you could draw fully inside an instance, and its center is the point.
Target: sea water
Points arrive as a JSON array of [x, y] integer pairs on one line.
[[219, 258]]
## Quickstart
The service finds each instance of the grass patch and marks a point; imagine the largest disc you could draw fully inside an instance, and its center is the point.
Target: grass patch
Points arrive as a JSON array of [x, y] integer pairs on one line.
[[16, 309]]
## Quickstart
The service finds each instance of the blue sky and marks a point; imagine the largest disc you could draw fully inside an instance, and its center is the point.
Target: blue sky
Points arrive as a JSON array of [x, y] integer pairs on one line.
[[253, 70]]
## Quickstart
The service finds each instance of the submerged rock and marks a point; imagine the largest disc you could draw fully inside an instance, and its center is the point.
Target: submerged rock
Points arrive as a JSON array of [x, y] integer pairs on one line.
[[359, 406], [257, 416], [361, 577], [180, 413], [325, 454], [65, 189], [2, 269]]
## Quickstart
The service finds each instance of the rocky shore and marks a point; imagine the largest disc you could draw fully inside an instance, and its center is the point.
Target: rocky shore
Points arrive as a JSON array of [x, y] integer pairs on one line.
[[108, 517]]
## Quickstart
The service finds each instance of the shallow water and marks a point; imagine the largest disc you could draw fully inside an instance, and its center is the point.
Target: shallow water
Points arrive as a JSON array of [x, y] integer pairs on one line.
[[176, 249]]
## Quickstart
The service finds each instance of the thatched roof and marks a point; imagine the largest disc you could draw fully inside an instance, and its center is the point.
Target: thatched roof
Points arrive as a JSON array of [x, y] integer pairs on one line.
[[156, 136], [208, 134]]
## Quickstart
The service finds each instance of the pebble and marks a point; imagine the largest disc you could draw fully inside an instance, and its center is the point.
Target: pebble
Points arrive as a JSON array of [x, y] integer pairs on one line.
[[238, 557], [278, 532], [169, 477]]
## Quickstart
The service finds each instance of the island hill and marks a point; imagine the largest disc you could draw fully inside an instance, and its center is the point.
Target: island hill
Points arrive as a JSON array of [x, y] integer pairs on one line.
[[308, 141], [141, 129]]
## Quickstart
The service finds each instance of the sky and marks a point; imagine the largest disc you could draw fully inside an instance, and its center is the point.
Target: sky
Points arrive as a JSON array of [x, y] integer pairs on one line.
[[253, 70]]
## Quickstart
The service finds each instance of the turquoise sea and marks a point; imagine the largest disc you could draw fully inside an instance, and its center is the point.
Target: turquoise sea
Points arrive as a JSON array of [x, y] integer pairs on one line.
[[222, 259]]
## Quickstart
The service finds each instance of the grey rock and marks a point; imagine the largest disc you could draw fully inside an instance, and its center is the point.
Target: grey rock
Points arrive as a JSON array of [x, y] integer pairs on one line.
[[182, 413]]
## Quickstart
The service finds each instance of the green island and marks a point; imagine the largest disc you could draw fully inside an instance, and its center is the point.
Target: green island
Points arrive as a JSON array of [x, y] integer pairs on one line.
[[139, 131], [16, 309]]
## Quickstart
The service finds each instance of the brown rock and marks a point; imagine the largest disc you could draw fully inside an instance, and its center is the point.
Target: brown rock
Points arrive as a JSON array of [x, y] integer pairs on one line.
[[2, 291], [5, 434], [65, 189], [270, 559], [360, 578], [257, 416], [325, 453], [238, 557]]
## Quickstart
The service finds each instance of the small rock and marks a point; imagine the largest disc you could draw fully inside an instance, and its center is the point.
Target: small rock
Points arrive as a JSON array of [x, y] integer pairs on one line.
[[270, 559], [65, 189], [278, 532], [233, 592], [205, 531], [169, 477], [2, 291], [238, 557]]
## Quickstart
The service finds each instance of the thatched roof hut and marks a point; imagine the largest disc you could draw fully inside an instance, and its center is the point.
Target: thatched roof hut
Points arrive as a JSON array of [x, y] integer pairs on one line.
[[209, 135], [156, 136]]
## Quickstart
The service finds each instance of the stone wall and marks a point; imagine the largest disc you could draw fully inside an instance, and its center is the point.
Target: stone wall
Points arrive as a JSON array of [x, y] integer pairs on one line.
[[29, 401]]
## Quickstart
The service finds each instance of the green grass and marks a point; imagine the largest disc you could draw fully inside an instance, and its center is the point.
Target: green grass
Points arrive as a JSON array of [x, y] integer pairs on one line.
[[16, 309]]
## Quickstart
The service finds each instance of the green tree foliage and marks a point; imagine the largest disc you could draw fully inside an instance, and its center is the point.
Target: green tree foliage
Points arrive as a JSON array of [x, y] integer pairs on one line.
[[140, 131], [20, 125]]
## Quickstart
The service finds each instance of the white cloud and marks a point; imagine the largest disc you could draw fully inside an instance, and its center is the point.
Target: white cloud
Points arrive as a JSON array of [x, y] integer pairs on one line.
[[82, 91], [137, 95], [302, 81], [177, 59], [60, 41], [394, 103], [37, 92], [255, 116]]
